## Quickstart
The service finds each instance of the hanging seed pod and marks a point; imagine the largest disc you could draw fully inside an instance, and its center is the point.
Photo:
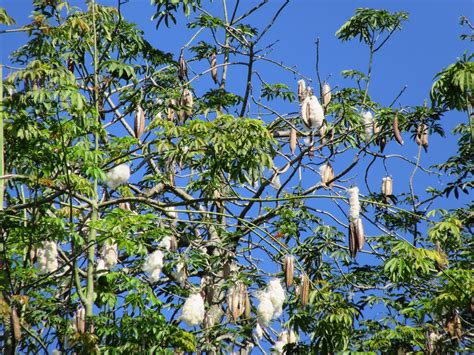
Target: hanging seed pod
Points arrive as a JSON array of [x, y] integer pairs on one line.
[[139, 124], [16, 325], [327, 174], [237, 300], [214, 68], [248, 306], [422, 136], [322, 133], [173, 243], [356, 237], [396, 131], [183, 67], [188, 102], [453, 325], [70, 65], [293, 139], [170, 113], [368, 119], [289, 268], [305, 288], [312, 113], [125, 206], [301, 90], [79, 321], [387, 186], [326, 95]]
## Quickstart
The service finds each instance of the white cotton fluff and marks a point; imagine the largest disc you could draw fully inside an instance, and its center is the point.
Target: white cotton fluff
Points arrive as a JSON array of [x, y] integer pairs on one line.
[[312, 113], [265, 309], [166, 243], [109, 254], [277, 296], [181, 274], [193, 310], [47, 257], [292, 337], [258, 331], [368, 125], [153, 265], [118, 175], [101, 266], [354, 206], [308, 141]]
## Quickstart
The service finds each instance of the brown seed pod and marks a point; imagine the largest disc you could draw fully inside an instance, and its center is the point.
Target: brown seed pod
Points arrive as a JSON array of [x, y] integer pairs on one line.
[[396, 131], [125, 206], [327, 174], [187, 101], [170, 113], [173, 243], [16, 326], [356, 236], [248, 306], [293, 139], [214, 68], [387, 186], [183, 67], [422, 136], [326, 95], [305, 288], [289, 268], [139, 124], [301, 90], [453, 325]]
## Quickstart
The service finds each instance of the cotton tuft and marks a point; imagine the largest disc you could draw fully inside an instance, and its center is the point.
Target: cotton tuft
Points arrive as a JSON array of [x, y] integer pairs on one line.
[[193, 310], [277, 295], [312, 113], [368, 125], [354, 206], [258, 331], [166, 243], [118, 175], [153, 265], [265, 309]]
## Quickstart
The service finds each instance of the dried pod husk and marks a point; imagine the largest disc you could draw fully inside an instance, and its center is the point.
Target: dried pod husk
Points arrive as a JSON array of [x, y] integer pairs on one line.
[[356, 236], [237, 300], [293, 140], [187, 102], [396, 130], [382, 143], [70, 65], [312, 113], [289, 268], [79, 321], [327, 174], [453, 325], [16, 326], [214, 68], [248, 306], [173, 243], [125, 206], [326, 95], [322, 133], [422, 136], [139, 123], [183, 68], [305, 289], [387, 186], [301, 90]]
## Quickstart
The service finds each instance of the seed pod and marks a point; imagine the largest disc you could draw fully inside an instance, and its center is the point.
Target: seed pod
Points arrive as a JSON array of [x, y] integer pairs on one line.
[[248, 306], [368, 119], [422, 136], [79, 321], [322, 133], [70, 65], [326, 95], [453, 325], [387, 186], [305, 288], [214, 68], [356, 236], [312, 113], [237, 300], [139, 124], [289, 268], [16, 325], [301, 90], [170, 113], [327, 174], [188, 102], [183, 67], [293, 139], [125, 206], [173, 243], [396, 131]]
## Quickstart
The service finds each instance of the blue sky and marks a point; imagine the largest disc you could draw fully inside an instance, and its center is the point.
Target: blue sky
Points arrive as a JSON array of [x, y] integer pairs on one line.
[[428, 42]]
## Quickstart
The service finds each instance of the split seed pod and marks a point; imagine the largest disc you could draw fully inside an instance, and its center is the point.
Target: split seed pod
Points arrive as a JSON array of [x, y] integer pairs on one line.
[[356, 228], [422, 136], [301, 90], [289, 268], [305, 288], [214, 68], [312, 113], [237, 300], [125, 206], [139, 124], [16, 325], [387, 186], [79, 321], [183, 68], [293, 139], [327, 173], [188, 102], [170, 113], [396, 131], [248, 306], [326, 95]]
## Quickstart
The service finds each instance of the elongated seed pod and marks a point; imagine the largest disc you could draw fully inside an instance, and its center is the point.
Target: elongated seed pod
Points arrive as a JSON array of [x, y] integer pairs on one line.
[[289, 268], [139, 123], [312, 113], [396, 131], [293, 140], [183, 67], [214, 68], [368, 119], [305, 288], [326, 95], [16, 325], [188, 102], [70, 65], [301, 90], [80, 320], [424, 138], [248, 306], [356, 236], [170, 113], [387, 186]]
